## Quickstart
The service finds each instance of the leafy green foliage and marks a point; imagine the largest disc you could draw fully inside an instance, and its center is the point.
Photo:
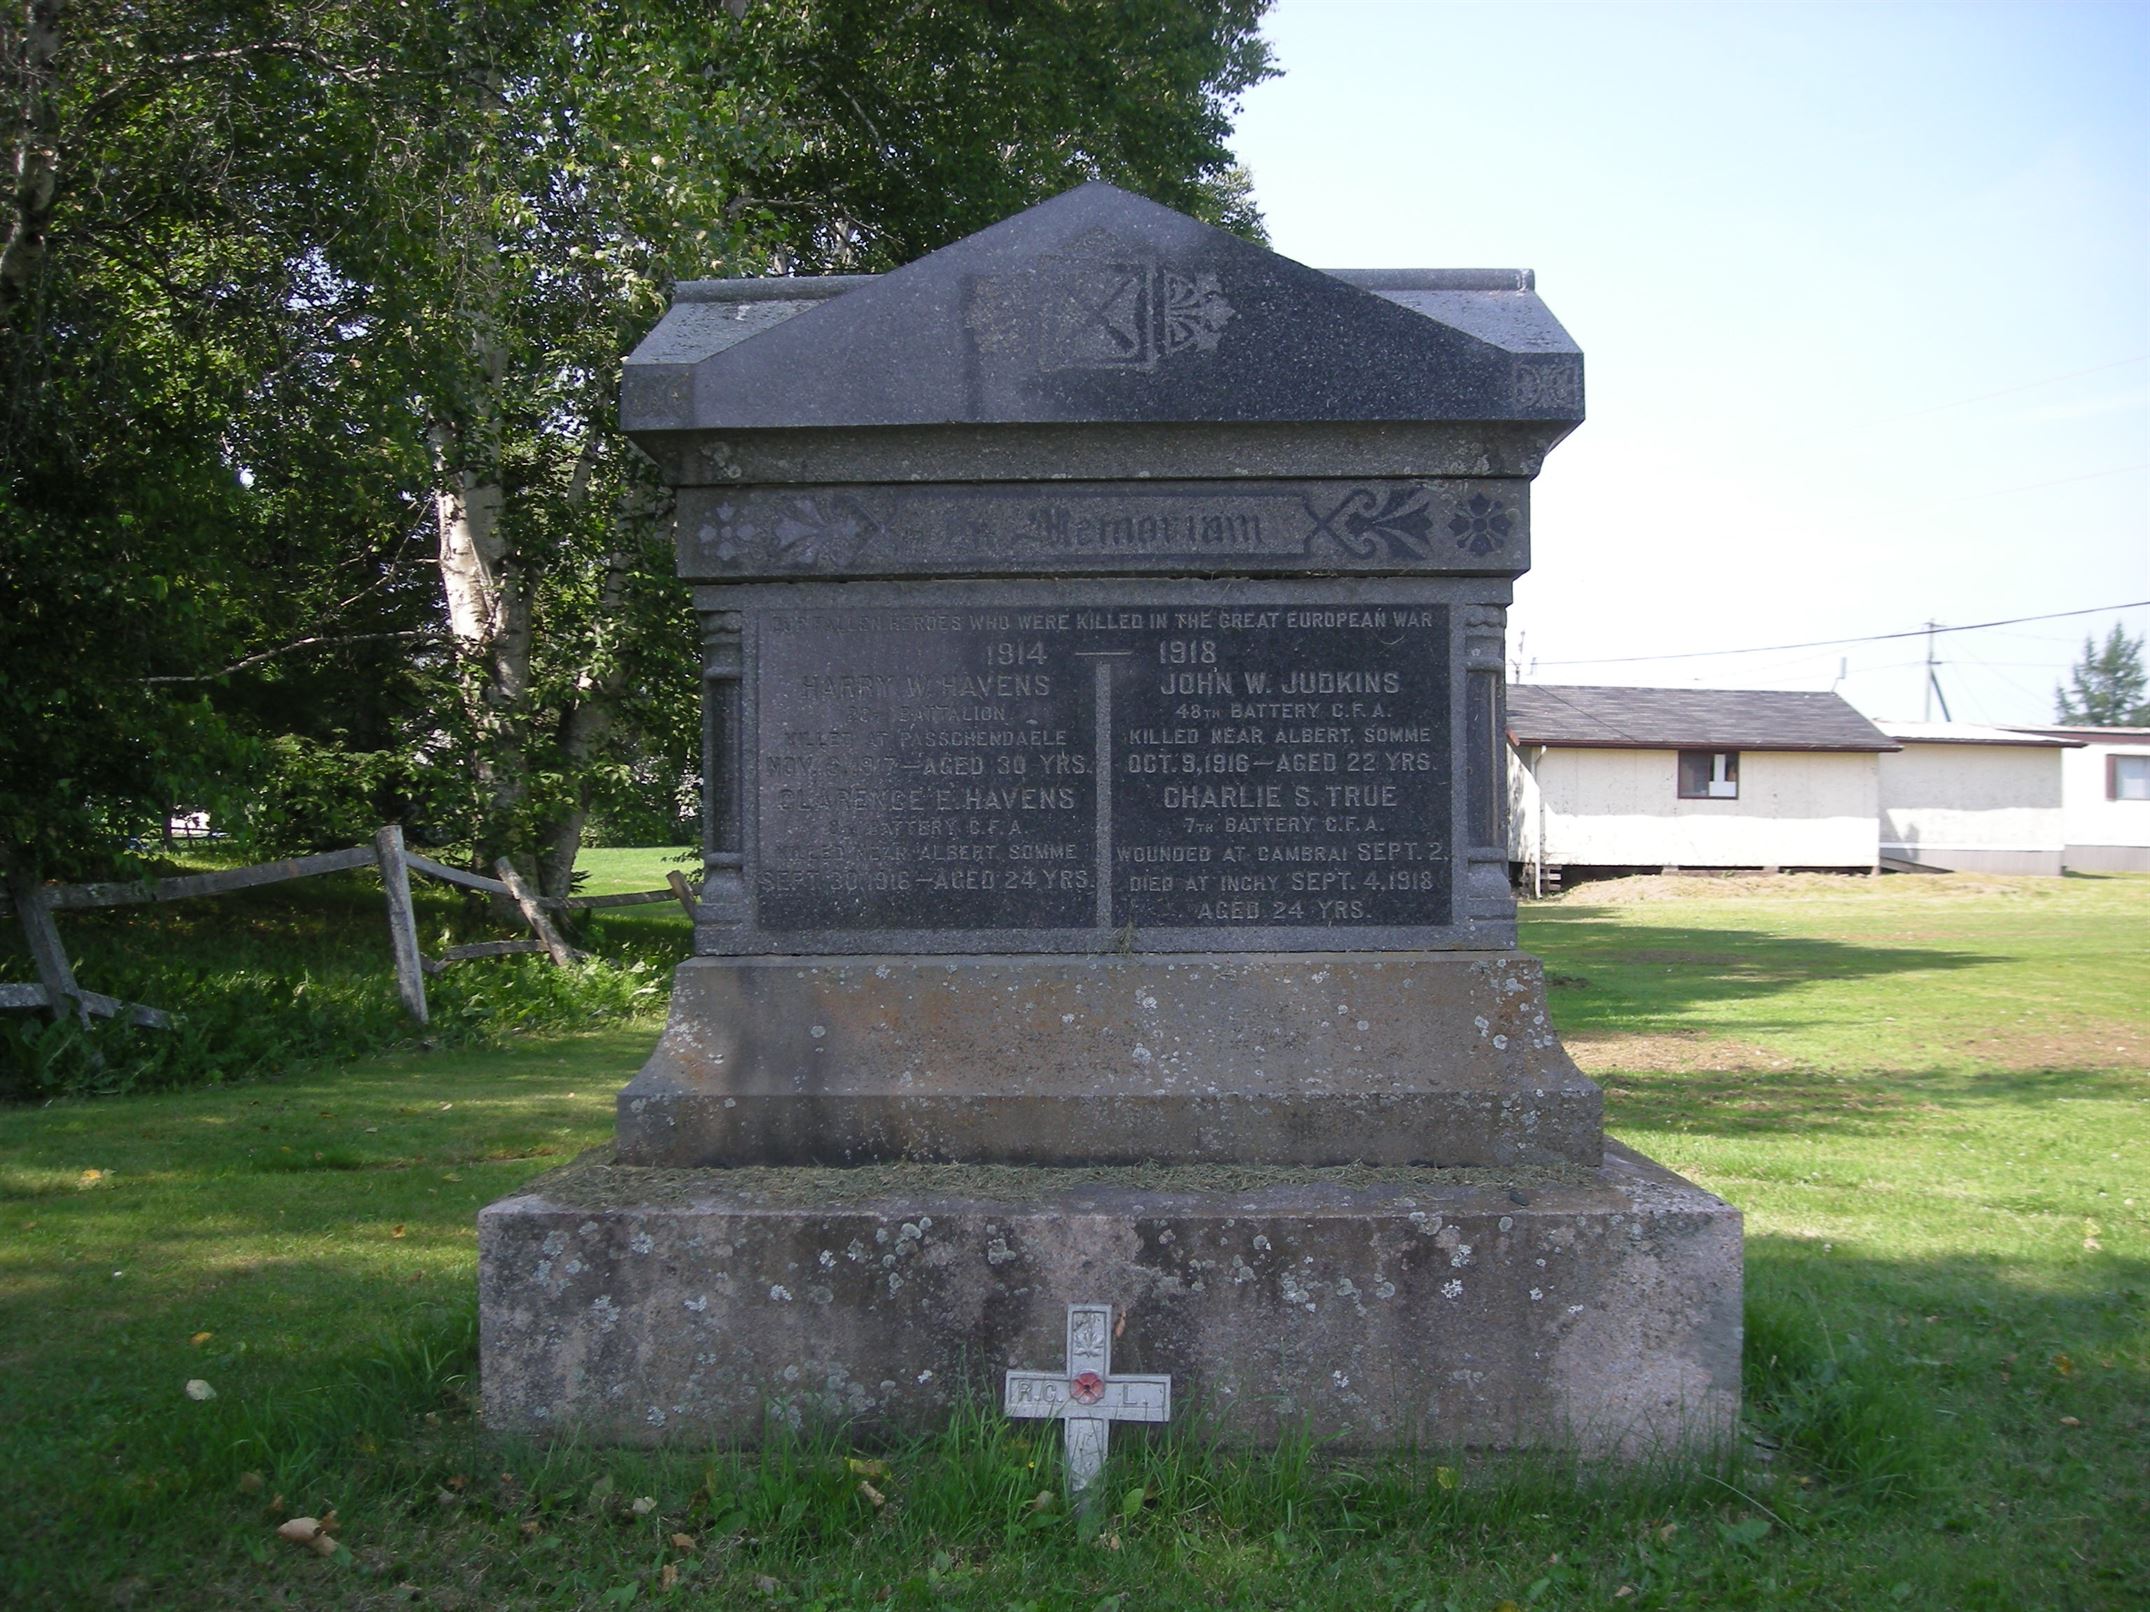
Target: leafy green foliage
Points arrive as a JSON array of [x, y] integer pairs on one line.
[[307, 403], [2107, 688]]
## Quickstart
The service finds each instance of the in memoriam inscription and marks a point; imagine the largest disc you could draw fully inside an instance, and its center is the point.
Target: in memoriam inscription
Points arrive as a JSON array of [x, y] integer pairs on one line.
[[1108, 766], [1452, 524]]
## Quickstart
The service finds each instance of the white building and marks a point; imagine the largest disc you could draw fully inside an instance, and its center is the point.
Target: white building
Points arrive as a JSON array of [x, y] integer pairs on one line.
[[2104, 799], [1973, 799], [1651, 778]]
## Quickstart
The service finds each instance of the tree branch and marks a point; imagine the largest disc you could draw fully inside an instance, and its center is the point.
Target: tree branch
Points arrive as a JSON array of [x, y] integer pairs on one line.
[[293, 49], [295, 644]]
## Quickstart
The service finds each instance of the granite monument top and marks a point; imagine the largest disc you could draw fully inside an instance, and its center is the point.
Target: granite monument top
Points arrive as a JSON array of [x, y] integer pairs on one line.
[[1101, 307]]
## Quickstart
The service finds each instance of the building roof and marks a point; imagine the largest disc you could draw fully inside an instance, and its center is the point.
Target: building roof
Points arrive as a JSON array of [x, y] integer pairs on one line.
[[1569, 716], [1971, 733], [2085, 734]]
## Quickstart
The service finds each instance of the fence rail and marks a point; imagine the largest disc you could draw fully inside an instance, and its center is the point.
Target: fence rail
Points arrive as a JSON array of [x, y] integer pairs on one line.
[[187, 887], [57, 991]]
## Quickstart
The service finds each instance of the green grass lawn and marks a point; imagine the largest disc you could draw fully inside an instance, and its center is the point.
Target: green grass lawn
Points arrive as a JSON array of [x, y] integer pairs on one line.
[[1929, 1096]]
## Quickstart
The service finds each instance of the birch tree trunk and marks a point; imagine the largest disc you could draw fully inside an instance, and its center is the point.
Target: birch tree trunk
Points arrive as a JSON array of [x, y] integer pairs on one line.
[[488, 595], [36, 164]]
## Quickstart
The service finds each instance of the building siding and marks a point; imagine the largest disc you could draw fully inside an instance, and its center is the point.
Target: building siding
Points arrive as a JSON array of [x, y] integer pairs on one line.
[[1622, 808], [2102, 836], [1979, 808]]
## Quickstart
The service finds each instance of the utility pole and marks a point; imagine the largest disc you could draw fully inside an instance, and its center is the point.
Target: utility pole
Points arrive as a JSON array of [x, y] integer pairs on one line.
[[1933, 680]]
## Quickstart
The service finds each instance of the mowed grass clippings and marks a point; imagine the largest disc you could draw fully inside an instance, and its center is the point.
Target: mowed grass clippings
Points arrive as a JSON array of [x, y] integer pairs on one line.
[[1948, 1342]]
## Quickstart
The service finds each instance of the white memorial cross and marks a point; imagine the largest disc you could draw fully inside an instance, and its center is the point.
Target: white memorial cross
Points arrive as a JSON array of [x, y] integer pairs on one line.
[[1087, 1398]]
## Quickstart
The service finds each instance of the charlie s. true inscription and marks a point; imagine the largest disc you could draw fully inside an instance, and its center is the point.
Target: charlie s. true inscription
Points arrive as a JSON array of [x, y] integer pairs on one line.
[[1107, 766]]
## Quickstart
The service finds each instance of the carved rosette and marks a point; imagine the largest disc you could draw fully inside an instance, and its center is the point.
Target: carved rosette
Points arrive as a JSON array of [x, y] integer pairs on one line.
[[1482, 525]]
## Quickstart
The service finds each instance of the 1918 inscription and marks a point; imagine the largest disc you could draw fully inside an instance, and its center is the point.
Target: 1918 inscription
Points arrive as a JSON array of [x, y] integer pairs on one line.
[[1192, 767]]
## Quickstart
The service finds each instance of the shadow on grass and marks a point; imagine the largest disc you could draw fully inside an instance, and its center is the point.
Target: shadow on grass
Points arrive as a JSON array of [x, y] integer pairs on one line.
[[1735, 1103], [1630, 971]]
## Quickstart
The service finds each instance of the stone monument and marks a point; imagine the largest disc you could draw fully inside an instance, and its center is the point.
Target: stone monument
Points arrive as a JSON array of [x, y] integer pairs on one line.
[[1106, 891]]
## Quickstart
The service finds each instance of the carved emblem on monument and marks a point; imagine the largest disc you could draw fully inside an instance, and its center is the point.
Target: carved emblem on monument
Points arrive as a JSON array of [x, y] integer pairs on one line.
[[1103, 304], [1482, 525], [803, 532], [1393, 523]]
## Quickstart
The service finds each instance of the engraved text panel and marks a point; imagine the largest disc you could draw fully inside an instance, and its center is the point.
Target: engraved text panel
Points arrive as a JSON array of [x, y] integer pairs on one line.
[[1188, 767]]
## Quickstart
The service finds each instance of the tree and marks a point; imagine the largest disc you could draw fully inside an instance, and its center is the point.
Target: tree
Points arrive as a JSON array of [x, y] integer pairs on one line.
[[328, 298], [2106, 687], [140, 304], [582, 166]]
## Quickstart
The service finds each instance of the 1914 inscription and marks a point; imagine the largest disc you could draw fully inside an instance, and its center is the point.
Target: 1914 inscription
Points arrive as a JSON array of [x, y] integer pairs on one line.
[[1107, 768]]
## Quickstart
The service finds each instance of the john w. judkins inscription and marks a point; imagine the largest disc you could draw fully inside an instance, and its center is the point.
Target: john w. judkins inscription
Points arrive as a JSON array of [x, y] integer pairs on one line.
[[1155, 765]]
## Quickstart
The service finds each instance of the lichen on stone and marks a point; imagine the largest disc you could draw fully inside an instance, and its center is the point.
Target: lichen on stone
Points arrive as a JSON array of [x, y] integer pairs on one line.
[[597, 1180]]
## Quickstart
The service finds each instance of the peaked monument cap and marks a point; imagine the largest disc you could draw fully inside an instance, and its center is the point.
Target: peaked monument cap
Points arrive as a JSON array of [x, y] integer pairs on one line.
[[1096, 307]]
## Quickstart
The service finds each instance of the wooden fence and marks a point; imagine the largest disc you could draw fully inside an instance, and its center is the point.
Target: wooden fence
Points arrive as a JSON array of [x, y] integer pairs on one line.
[[57, 990]]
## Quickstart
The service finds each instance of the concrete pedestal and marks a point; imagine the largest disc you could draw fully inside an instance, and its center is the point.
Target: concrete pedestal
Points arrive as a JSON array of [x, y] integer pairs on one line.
[[1592, 1309]]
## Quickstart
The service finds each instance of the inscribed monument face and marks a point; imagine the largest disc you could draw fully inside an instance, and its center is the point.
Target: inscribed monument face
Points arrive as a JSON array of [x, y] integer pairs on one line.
[[1091, 767]]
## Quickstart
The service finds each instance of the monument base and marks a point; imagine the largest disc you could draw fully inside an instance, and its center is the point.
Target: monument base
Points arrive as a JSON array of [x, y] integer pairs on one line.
[[1293, 1058], [1588, 1309]]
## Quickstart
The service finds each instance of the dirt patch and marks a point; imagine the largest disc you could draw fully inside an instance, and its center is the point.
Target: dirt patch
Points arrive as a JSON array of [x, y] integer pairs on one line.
[[1644, 888], [2014, 1050], [1689, 959], [2020, 1049], [1670, 1052]]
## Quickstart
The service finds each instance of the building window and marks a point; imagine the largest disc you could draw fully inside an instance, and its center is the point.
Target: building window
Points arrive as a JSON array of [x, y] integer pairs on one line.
[[2127, 777], [1709, 775]]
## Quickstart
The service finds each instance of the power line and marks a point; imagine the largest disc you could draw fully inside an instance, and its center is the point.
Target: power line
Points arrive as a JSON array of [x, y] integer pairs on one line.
[[2009, 391], [2033, 486], [1832, 643]]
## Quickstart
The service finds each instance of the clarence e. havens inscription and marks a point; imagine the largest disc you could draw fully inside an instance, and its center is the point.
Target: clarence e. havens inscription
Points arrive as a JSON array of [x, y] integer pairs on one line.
[[1105, 842]]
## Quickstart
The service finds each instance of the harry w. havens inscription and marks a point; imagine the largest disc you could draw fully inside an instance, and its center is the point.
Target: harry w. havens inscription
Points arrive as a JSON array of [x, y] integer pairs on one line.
[[1106, 762]]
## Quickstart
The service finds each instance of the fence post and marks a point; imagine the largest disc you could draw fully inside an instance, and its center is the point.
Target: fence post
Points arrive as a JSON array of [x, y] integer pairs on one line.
[[33, 906], [402, 921], [682, 889], [533, 914]]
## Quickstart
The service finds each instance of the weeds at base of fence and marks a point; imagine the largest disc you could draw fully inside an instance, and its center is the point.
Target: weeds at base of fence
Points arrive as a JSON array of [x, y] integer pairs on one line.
[[68, 1049], [278, 979]]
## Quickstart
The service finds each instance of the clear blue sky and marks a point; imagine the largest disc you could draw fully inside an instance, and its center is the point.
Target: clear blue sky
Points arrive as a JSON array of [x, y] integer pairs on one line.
[[1864, 294]]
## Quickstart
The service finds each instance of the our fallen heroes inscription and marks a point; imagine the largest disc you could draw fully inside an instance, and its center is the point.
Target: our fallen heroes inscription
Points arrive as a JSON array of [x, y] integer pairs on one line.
[[1086, 769], [1105, 893]]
